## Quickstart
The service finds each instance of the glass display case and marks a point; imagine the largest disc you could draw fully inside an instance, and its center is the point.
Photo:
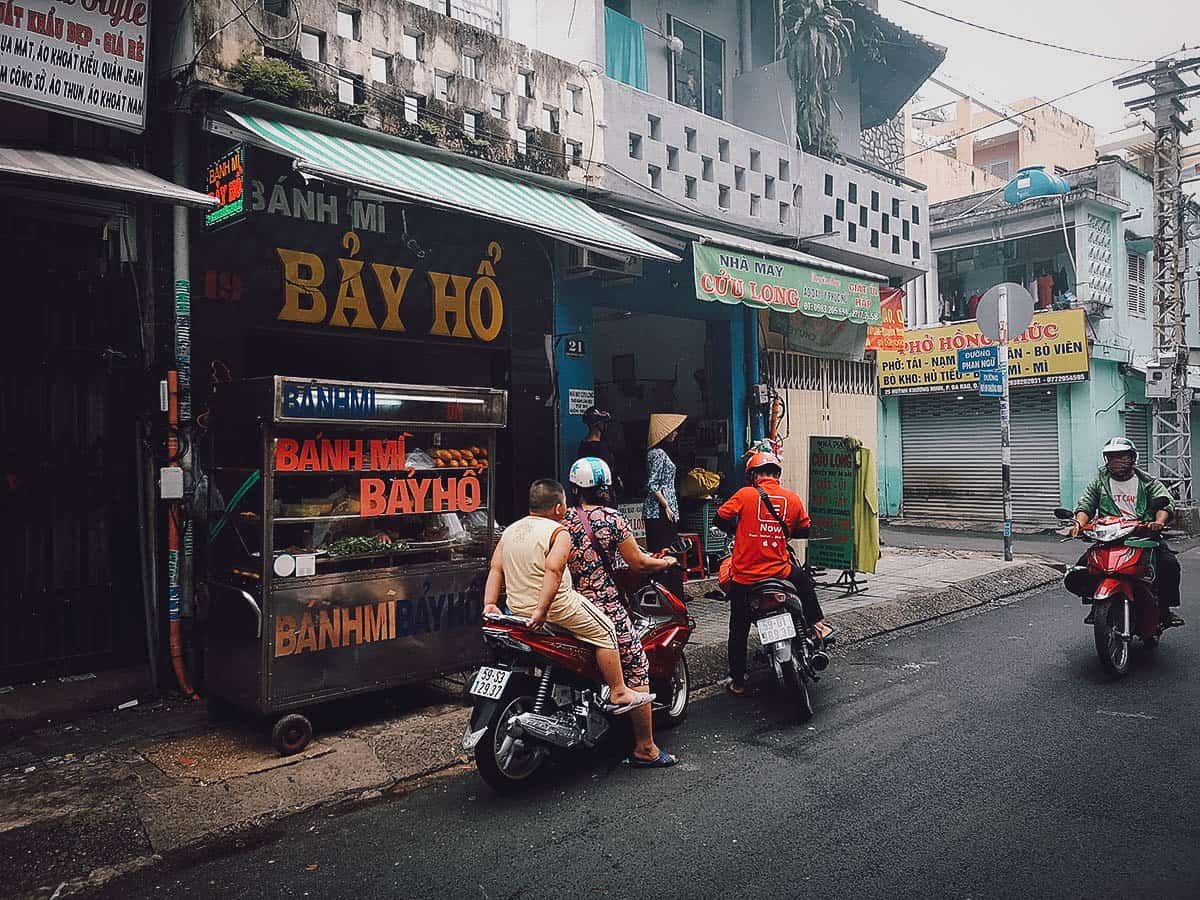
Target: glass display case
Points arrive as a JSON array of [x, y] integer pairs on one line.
[[350, 528]]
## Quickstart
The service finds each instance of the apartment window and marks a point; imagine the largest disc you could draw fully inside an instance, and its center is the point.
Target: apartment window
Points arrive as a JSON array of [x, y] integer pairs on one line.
[[1137, 283], [522, 141], [412, 108], [697, 76], [472, 66], [379, 67], [499, 104], [471, 123], [350, 88], [412, 44], [574, 98], [689, 187], [526, 82], [441, 85], [655, 176], [349, 23], [574, 153], [312, 45]]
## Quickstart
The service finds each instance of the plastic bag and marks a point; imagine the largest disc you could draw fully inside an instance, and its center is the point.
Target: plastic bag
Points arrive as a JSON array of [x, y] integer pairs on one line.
[[699, 484], [419, 459]]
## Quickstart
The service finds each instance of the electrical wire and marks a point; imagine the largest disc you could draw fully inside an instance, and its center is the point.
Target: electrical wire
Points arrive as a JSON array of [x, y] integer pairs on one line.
[[1023, 38]]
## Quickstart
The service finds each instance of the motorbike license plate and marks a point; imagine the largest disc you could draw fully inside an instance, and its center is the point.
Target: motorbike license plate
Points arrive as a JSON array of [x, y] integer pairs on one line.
[[776, 628], [490, 683]]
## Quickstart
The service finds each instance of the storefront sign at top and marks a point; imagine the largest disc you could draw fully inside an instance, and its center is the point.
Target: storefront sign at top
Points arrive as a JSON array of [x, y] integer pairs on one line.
[[729, 276], [1052, 350], [82, 58]]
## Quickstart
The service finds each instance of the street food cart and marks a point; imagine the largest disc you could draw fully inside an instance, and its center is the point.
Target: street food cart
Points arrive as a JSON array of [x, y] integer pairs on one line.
[[350, 527]]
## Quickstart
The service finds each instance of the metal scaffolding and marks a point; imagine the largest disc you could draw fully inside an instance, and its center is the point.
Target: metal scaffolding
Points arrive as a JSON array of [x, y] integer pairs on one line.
[[1172, 429]]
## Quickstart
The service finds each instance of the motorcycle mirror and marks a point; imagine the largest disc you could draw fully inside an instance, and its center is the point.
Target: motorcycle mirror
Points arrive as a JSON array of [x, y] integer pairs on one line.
[[1063, 513]]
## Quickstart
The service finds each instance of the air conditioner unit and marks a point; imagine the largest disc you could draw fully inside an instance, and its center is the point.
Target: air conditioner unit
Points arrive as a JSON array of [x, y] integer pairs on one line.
[[581, 262]]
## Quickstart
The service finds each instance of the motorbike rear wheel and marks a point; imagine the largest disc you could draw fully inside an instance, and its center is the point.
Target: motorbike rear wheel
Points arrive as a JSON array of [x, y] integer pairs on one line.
[[1112, 649], [797, 688], [680, 691], [505, 763]]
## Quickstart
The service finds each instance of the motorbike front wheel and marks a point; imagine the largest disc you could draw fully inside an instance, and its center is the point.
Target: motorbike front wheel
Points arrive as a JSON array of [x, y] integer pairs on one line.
[[508, 763], [797, 689], [1112, 649]]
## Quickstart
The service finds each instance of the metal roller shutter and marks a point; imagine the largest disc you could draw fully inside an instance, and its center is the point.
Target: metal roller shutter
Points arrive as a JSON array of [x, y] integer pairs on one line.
[[1137, 429], [951, 457]]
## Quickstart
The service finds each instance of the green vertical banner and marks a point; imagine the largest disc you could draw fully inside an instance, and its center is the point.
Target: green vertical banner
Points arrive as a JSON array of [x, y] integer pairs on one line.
[[831, 473]]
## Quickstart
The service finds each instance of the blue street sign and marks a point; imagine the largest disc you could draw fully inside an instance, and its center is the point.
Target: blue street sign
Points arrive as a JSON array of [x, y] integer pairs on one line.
[[991, 383], [978, 359]]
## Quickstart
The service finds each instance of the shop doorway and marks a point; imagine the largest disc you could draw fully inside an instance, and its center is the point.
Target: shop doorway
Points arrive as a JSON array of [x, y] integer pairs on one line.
[[643, 364], [70, 359]]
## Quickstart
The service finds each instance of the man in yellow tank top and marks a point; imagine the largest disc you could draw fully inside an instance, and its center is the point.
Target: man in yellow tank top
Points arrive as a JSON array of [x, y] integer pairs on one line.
[[530, 566]]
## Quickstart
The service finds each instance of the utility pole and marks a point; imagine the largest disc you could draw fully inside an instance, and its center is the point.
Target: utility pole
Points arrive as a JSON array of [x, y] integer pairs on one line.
[[1172, 429]]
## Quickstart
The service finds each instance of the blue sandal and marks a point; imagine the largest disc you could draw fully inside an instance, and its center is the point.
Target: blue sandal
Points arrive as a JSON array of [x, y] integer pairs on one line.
[[665, 760]]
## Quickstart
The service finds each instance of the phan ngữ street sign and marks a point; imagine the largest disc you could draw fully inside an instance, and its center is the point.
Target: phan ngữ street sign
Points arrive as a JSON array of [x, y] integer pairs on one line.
[[729, 276], [975, 360]]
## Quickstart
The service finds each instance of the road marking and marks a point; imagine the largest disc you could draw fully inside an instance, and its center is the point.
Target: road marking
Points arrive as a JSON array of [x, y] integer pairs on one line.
[[1124, 715]]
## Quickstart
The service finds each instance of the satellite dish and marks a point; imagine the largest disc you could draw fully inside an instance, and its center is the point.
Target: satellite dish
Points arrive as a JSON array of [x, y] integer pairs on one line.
[[1020, 311]]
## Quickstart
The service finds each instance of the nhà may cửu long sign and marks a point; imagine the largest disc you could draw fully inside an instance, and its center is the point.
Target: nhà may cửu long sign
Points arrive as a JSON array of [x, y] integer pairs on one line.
[[730, 276]]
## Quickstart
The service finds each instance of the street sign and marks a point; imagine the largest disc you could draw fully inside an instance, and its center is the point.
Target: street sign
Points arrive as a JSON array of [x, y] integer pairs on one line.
[[991, 383], [977, 360], [1020, 311]]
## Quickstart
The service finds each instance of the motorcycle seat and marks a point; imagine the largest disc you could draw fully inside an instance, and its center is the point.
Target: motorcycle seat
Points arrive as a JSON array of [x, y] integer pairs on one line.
[[774, 584]]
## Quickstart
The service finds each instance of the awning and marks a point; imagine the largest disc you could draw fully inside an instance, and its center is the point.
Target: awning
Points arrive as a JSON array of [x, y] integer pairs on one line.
[[452, 187], [76, 170], [732, 269]]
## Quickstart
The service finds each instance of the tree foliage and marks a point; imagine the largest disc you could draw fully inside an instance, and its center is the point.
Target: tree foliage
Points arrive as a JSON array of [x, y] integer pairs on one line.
[[816, 38]]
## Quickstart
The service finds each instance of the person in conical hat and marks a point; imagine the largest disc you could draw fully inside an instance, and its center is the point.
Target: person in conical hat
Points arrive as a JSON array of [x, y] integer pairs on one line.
[[661, 509]]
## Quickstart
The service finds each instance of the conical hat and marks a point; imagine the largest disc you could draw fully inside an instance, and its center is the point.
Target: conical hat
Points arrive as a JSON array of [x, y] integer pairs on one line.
[[662, 424]]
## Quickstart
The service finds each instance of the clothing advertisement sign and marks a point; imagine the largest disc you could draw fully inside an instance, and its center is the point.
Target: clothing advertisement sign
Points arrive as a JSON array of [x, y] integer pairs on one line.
[[831, 503], [1052, 350], [77, 57], [730, 276], [888, 334]]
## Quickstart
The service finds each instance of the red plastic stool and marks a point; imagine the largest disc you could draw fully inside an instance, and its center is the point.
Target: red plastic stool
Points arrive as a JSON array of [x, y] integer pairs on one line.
[[695, 570]]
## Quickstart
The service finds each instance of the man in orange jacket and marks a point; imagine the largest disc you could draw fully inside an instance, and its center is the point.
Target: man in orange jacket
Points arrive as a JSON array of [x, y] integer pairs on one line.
[[763, 517]]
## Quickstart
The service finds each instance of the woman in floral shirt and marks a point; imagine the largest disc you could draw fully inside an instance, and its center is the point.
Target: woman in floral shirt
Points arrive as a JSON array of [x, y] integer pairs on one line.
[[592, 556]]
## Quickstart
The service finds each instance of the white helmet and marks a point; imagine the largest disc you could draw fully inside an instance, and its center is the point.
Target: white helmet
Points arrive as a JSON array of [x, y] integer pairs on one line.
[[590, 472], [1120, 445]]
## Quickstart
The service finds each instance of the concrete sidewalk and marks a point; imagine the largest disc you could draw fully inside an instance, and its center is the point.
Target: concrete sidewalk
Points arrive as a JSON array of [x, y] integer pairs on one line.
[[90, 800]]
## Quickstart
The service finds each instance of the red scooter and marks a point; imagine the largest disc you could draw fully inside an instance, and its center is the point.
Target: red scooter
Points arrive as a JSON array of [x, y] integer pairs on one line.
[[1118, 583], [544, 693]]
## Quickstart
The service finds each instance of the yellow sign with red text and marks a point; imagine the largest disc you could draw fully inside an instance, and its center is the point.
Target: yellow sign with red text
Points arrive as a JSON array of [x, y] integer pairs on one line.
[[1053, 350]]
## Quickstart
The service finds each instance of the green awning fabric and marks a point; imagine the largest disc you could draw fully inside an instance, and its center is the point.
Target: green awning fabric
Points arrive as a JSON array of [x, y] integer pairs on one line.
[[441, 184]]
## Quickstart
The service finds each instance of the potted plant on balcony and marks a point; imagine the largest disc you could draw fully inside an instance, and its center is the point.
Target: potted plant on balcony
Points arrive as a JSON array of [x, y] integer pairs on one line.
[[816, 37]]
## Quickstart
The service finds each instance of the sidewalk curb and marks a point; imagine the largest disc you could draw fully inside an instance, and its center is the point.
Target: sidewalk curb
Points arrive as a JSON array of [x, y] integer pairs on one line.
[[708, 664]]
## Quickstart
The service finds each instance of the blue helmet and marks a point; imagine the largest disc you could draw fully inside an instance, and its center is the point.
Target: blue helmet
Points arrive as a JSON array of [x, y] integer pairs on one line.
[[591, 472]]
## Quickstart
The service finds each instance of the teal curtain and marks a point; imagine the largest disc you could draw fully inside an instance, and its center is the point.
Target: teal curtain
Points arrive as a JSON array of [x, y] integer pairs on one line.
[[625, 49]]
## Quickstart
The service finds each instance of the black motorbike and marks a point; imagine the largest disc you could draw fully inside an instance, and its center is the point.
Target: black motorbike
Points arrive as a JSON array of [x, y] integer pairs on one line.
[[794, 652]]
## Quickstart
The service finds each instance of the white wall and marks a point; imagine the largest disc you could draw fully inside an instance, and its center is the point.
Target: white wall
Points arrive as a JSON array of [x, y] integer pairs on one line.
[[572, 30]]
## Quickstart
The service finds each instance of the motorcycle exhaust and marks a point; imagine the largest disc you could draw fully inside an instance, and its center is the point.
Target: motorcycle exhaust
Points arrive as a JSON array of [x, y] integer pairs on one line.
[[819, 661]]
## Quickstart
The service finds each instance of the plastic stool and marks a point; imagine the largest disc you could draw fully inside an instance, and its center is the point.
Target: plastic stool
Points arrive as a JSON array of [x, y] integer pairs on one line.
[[695, 570]]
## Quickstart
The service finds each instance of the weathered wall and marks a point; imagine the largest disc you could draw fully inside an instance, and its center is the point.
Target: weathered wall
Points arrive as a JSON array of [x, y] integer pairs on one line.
[[444, 42], [1057, 139]]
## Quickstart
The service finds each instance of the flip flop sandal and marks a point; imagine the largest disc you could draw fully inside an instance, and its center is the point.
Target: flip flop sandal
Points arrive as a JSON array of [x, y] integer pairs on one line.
[[614, 710], [665, 761], [742, 694]]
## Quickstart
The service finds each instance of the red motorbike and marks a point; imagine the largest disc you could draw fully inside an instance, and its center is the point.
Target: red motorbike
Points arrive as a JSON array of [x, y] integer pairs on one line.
[[1118, 583], [544, 694]]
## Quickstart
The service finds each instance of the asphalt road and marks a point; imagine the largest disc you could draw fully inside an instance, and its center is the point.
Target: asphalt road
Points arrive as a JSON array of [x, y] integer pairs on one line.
[[980, 757]]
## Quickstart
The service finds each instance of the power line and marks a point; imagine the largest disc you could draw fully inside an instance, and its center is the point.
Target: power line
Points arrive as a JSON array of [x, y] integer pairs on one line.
[[1022, 38], [1087, 87]]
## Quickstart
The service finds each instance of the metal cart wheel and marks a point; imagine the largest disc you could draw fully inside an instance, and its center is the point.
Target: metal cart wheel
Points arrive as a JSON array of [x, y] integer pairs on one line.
[[291, 734]]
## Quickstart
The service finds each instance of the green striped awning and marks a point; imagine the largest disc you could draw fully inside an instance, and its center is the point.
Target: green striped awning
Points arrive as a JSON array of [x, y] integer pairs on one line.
[[441, 184]]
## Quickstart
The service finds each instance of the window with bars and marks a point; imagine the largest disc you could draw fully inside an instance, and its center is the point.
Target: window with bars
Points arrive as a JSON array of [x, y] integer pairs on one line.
[[1137, 284]]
